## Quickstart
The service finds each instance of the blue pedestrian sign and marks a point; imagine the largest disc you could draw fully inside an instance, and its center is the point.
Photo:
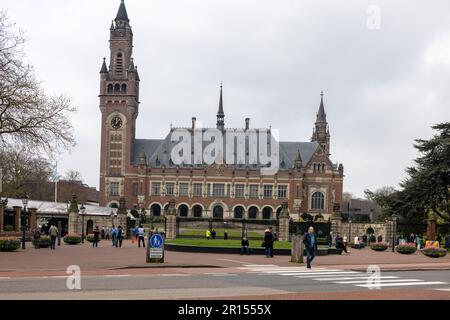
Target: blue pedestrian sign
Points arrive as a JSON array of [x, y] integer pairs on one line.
[[157, 241]]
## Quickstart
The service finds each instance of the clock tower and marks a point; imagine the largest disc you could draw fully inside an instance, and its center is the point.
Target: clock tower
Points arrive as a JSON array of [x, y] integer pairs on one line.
[[119, 105]]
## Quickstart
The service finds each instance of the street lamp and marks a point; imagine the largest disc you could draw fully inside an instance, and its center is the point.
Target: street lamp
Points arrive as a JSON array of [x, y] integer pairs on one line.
[[349, 229], [82, 212], [24, 219], [394, 231], [112, 218]]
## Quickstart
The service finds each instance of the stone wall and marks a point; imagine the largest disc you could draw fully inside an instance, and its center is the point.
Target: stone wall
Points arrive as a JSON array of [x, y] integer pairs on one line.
[[357, 229]]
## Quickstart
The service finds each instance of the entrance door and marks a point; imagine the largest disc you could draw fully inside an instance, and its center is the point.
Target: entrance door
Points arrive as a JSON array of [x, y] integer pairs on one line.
[[218, 212]]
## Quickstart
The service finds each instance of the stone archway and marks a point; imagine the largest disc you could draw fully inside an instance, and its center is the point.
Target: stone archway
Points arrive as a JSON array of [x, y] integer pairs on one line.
[[197, 211], [155, 209], [183, 211], [239, 212], [253, 213], [267, 213], [90, 227]]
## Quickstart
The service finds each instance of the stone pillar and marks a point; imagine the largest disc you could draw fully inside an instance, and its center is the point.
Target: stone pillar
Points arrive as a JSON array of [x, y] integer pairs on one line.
[[297, 249], [122, 216], [2, 217], [74, 224], [171, 221], [284, 223], [431, 227], [33, 218], [336, 220], [17, 212]]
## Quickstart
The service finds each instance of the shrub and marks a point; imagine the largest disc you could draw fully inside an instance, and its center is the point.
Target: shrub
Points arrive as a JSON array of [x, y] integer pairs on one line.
[[8, 228], [434, 252], [406, 248], [72, 239], [90, 238], [379, 246], [43, 242], [9, 244]]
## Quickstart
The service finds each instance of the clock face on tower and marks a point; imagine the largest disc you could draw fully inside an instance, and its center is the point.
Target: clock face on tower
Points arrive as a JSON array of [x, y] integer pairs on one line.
[[116, 123]]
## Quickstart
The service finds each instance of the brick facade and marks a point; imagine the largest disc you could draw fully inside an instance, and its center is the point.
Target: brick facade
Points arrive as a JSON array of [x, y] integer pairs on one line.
[[130, 166]]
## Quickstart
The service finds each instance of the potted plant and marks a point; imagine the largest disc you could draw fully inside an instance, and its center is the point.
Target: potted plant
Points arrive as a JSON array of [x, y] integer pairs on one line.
[[406, 248], [72, 239], [90, 238], [433, 252], [9, 244], [42, 242], [379, 246]]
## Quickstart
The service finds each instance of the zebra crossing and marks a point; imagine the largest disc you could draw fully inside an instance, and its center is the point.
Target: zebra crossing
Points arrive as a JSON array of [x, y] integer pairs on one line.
[[343, 277]]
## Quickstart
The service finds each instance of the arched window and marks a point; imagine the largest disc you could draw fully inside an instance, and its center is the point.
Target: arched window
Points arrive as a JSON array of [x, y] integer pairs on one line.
[[218, 212], [198, 211], [124, 88], [156, 210], [110, 88], [183, 211], [267, 213], [239, 212], [253, 213], [318, 201], [117, 88]]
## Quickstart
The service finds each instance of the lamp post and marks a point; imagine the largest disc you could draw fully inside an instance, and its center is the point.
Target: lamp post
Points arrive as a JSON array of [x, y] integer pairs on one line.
[[349, 229], [394, 230], [112, 218], [24, 219], [82, 212]]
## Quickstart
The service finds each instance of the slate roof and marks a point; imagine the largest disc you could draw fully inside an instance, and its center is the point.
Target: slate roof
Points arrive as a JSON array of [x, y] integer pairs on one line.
[[122, 13], [158, 152]]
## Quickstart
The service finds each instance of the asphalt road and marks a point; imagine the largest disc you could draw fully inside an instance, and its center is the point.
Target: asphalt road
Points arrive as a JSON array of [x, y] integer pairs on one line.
[[252, 280]]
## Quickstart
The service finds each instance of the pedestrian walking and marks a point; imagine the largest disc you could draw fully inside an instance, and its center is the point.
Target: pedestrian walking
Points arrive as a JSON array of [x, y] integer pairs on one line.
[[53, 233], [225, 235], [245, 246], [114, 236], [141, 236], [119, 238], [103, 233], [96, 237], [268, 243], [330, 240], [213, 234], [208, 234], [310, 241]]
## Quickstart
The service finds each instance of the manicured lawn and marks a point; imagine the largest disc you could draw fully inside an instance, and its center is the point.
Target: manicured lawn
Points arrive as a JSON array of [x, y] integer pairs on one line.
[[227, 243], [220, 233]]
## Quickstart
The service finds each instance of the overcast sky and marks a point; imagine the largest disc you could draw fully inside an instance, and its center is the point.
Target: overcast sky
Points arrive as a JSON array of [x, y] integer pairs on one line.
[[383, 87]]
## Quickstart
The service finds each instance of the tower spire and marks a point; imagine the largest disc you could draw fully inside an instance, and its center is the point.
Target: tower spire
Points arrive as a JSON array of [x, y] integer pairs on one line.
[[221, 113], [122, 14], [321, 133]]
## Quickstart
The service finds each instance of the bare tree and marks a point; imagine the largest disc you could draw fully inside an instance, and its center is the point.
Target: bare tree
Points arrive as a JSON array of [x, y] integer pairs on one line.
[[28, 117], [73, 176]]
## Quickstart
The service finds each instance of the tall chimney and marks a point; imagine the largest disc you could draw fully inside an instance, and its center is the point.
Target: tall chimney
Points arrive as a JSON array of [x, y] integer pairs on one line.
[[247, 124], [194, 122]]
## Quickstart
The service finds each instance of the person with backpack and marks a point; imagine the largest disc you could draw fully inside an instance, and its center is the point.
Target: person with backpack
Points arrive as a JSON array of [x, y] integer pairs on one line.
[[53, 233]]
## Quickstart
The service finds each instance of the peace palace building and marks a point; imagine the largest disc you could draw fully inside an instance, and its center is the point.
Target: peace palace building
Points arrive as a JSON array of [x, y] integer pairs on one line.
[[141, 170]]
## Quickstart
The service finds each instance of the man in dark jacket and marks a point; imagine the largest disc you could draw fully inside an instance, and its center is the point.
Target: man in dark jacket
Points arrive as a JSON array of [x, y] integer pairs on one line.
[[268, 243], [310, 241], [245, 246]]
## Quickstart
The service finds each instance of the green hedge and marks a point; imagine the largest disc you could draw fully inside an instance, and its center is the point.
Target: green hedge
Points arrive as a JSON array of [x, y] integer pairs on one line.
[[9, 244], [8, 228], [72, 239], [406, 248], [379, 246], [434, 252], [43, 242], [90, 238]]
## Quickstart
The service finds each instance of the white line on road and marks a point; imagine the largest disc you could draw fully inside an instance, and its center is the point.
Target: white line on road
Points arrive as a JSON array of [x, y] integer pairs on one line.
[[447, 289], [354, 278], [221, 274], [117, 276], [5, 278], [175, 275], [321, 274], [399, 284], [373, 281]]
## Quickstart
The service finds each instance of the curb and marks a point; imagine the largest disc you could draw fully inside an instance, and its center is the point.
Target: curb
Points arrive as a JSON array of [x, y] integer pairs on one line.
[[405, 269], [166, 266]]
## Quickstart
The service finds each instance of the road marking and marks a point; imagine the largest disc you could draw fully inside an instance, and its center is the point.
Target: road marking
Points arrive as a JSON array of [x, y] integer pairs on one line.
[[374, 280], [175, 275], [305, 275], [117, 276], [294, 272], [354, 278], [447, 289], [275, 270], [258, 265], [5, 278], [400, 284], [237, 261], [221, 274]]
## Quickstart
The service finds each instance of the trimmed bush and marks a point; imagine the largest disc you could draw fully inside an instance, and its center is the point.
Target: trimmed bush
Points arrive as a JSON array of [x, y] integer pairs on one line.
[[434, 252], [43, 242], [8, 228], [9, 244], [72, 239], [379, 246], [406, 248], [90, 238]]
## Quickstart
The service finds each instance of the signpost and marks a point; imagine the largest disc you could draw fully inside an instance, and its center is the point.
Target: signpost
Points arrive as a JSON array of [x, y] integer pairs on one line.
[[155, 248]]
